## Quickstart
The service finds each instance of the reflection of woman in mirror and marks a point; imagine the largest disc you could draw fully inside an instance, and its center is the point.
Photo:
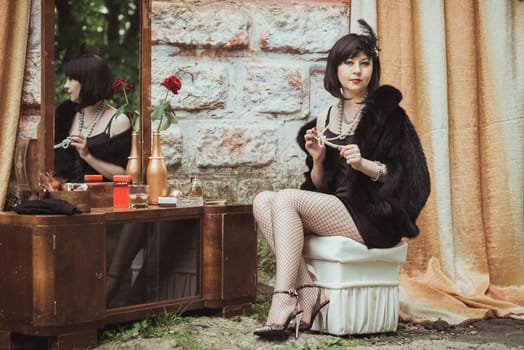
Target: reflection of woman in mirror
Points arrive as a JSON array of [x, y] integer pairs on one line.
[[89, 137]]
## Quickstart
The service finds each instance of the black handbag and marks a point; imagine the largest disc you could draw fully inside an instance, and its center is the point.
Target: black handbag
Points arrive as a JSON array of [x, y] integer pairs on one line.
[[47, 206]]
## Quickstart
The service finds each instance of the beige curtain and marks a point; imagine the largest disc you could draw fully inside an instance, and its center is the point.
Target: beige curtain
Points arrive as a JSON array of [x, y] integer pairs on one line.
[[14, 31], [460, 66]]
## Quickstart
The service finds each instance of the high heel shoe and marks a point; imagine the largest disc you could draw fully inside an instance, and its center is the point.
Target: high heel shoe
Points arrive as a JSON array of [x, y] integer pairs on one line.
[[277, 330], [305, 326]]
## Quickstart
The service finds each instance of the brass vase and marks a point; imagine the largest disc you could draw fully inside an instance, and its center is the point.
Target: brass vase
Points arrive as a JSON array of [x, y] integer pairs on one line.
[[133, 162], [156, 175]]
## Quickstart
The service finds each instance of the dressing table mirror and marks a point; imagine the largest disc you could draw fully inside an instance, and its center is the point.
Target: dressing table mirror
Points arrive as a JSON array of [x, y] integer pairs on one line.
[[138, 270], [52, 80]]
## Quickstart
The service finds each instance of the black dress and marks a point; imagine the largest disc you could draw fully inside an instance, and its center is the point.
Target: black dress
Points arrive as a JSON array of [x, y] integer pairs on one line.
[[68, 163]]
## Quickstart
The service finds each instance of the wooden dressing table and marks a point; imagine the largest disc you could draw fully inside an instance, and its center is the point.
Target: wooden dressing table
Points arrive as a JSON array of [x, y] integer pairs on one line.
[[53, 269]]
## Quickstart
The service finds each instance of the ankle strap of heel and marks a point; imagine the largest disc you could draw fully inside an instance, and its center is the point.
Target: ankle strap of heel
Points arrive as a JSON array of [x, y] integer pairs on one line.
[[292, 292], [307, 286]]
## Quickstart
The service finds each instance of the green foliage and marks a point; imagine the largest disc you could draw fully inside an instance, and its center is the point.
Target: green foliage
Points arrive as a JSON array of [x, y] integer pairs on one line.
[[265, 259], [332, 343], [167, 319], [260, 310], [153, 327], [122, 334], [296, 346], [135, 121], [197, 345], [108, 28], [165, 114], [329, 343]]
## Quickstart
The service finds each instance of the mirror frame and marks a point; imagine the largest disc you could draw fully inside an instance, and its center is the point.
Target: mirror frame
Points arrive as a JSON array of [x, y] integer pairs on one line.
[[46, 127]]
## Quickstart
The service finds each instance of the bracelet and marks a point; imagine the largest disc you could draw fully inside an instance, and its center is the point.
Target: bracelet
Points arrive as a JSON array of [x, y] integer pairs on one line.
[[380, 171]]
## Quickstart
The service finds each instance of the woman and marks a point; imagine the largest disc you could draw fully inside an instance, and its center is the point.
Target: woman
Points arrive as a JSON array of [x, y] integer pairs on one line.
[[89, 137], [367, 179]]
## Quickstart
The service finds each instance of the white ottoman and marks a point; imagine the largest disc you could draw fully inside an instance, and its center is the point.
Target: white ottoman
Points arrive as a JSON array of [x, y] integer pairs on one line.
[[361, 284]]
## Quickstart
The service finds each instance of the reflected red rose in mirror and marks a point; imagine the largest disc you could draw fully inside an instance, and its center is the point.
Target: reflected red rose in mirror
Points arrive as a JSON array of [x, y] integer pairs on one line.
[[122, 86]]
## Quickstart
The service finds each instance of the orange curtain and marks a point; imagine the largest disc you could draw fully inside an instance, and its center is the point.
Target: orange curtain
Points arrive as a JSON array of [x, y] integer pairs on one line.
[[459, 65], [14, 31]]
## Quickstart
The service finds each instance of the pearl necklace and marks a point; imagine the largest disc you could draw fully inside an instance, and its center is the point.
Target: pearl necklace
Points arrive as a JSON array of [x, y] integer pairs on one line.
[[89, 128], [92, 124], [352, 124], [342, 134]]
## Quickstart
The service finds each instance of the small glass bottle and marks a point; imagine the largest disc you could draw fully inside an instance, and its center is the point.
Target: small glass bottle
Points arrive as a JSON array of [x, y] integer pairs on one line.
[[195, 192], [121, 190]]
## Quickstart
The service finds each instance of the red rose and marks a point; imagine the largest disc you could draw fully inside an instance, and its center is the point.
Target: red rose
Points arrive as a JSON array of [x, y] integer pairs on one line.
[[164, 113], [120, 84], [172, 83]]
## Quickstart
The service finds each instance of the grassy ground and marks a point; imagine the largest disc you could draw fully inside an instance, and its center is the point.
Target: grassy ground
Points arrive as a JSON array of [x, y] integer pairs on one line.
[[200, 332], [214, 333]]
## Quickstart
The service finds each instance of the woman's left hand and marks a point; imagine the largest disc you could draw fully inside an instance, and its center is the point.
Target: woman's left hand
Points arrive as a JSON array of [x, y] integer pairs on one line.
[[80, 143], [351, 153]]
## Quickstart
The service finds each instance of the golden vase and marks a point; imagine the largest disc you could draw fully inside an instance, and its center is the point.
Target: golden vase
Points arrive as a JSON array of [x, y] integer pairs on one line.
[[133, 161], [156, 175]]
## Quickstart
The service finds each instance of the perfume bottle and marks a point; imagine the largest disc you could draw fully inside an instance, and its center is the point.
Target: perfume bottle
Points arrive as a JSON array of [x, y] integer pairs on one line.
[[121, 190], [195, 193]]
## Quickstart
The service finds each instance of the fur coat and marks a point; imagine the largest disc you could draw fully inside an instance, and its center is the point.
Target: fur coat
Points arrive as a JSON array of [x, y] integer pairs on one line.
[[386, 210]]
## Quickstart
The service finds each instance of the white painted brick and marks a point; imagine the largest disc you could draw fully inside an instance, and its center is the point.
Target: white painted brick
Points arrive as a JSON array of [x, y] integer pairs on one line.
[[220, 26], [274, 89], [235, 145], [304, 28]]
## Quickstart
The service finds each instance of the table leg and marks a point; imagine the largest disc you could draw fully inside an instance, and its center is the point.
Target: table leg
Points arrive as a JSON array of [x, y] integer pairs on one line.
[[79, 340], [5, 340]]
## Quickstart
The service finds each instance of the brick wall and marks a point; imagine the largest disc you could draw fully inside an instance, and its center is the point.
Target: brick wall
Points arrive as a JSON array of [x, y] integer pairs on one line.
[[252, 75]]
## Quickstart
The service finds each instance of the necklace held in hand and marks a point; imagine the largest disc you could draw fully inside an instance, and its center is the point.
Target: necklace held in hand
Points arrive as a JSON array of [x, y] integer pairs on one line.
[[322, 139], [87, 130]]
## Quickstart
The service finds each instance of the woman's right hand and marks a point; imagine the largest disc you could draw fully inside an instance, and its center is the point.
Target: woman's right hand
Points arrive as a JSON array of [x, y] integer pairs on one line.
[[79, 141], [312, 146]]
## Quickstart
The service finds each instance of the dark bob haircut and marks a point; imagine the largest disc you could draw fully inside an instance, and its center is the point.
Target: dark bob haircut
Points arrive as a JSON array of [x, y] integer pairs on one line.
[[94, 76], [349, 46]]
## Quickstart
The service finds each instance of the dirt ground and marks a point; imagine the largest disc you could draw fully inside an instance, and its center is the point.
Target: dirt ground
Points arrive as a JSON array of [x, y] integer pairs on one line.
[[237, 333], [215, 333]]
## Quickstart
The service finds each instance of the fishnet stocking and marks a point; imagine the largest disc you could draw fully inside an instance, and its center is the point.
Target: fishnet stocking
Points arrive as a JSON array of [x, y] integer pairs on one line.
[[283, 217]]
